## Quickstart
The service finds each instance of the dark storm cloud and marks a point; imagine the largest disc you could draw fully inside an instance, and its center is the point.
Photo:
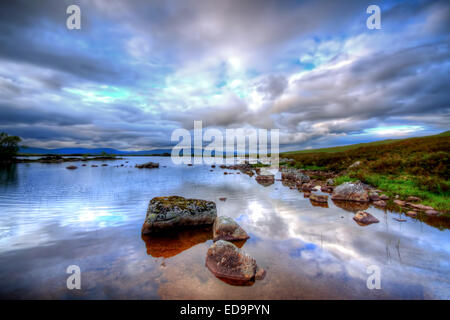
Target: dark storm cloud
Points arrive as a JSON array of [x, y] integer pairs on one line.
[[18, 115], [34, 32]]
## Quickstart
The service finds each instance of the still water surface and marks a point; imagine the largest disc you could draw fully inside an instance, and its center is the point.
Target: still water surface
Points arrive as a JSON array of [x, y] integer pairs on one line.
[[51, 217]]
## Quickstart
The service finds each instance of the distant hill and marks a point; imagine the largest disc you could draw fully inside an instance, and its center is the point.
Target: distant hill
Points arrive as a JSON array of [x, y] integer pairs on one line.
[[81, 151], [98, 151]]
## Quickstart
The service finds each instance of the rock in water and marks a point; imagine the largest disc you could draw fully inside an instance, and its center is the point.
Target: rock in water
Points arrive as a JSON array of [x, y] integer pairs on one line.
[[226, 228], [307, 187], [260, 274], [411, 213], [318, 198], [419, 206], [166, 213], [431, 213], [364, 218], [225, 260], [148, 165], [400, 202], [380, 203], [294, 175], [373, 196], [266, 178], [71, 167], [350, 192]]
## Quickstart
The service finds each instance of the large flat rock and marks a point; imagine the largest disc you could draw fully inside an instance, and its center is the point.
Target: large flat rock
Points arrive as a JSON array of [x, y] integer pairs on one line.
[[168, 213], [350, 191]]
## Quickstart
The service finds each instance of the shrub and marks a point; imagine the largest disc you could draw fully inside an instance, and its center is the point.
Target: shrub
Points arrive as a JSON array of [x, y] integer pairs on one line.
[[9, 145]]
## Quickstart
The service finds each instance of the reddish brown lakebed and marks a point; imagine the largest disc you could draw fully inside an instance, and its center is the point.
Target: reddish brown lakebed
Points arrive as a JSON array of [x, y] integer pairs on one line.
[[52, 217]]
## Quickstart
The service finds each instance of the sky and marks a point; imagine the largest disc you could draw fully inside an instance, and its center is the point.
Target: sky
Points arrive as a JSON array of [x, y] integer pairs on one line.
[[138, 70]]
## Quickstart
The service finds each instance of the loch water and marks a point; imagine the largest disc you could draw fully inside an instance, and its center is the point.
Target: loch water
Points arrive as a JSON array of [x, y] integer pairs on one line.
[[51, 218]]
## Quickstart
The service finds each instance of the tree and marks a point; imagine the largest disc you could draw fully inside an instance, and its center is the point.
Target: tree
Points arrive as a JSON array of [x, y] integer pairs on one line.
[[9, 145]]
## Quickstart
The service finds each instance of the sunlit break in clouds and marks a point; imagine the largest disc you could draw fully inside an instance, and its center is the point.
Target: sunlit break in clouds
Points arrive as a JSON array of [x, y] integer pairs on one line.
[[137, 70]]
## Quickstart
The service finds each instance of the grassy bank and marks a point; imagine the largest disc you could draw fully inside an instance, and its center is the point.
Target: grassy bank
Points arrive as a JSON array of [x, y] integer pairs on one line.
[[409, 167]]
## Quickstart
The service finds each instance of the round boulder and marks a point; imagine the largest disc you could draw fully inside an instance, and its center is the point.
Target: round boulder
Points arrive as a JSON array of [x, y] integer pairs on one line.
[[225, 260], [364, 218], [225, 228]]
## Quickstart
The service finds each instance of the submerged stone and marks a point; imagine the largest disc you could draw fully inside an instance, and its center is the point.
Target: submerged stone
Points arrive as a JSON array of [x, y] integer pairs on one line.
[[147, 165]]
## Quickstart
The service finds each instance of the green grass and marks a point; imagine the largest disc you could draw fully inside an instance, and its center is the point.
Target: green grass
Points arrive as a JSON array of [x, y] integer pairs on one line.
[[344, 178], [259, 165], [353, 146], [300, 166], [340, 148], [403, 186]]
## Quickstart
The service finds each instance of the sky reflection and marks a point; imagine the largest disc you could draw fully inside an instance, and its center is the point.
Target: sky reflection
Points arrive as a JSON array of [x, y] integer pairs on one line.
[[53, 217]]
